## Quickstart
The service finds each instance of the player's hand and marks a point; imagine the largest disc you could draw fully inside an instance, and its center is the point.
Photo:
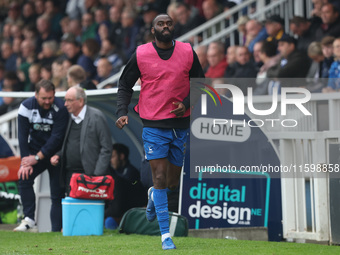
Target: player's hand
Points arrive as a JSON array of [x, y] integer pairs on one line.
[[24, 172], [29, 160], [180, 110], [122, 121], [54, 160]]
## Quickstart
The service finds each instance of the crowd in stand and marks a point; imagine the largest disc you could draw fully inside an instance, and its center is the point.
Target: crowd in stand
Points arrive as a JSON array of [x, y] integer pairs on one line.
[[44, 38], [269, 55]]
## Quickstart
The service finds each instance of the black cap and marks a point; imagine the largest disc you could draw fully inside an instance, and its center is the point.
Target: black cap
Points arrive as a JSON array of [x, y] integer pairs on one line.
[[275, 18], [149, 7], [288, 39]]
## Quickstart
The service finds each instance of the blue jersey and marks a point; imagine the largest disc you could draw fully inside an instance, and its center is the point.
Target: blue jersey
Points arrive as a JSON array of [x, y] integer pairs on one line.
[[39, 129], [334, 75]]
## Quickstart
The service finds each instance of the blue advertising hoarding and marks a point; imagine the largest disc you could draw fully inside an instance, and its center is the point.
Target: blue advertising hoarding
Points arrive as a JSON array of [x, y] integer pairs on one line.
[[224, 184]]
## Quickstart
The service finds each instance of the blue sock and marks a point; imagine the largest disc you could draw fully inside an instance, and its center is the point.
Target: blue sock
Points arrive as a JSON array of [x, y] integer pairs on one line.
[[160, 200]]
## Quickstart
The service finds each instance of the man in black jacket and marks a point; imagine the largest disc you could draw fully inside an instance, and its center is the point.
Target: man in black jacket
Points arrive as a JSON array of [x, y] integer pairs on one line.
[[330, 21], [129, 191], [293, 64]]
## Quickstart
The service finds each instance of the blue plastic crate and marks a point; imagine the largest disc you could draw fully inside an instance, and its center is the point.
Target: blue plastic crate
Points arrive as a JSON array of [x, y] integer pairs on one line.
[[82, 217]]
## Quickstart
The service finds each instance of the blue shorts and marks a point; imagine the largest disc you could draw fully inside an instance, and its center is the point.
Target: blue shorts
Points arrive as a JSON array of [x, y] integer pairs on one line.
[[165, 143]]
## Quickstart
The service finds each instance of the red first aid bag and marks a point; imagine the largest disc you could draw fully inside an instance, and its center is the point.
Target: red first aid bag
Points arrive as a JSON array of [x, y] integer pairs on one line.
[[91, 187]]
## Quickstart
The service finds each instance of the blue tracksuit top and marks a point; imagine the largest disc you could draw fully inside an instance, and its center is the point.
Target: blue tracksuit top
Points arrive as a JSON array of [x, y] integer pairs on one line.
[[39, 129]]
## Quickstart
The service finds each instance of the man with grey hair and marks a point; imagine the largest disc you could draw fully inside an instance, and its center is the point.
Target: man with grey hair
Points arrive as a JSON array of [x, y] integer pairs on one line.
[[87, 144]]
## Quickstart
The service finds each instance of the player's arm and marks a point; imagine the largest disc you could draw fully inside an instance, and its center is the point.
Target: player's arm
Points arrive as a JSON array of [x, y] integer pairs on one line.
[[53, 144], [127, 80], [196, 71]]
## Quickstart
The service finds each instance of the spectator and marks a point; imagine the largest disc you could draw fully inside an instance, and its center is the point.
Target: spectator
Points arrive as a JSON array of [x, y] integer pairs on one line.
[[216, 59], [88, 27], [101, 15], [129, 33], [149, 12], [294, 63], [76, 76], [269, 57], [92, 5], [14, 14], [275, 28], [104, 70], [46, 72], [210, 10], [256, 55], [227, 5], [103, 32], [315, 84], [34, 76], [38, 141], [116, 25], [317, 5], [72, 50], [255, 33], [231, 54], [65, 25], [28, 14], [26, 60], [16, 46], [11, 83], [330, 22], [315, 53], [66, 65], [87, 142], [242, 67], [186, 19], [241, 27], [334, 74], [29, 32], [305, 30], [44, 30], [171, 10], [58, 77], [75, 9], [327, 51], [201, 52], [16, 31], [55, 16], [39, 7], [75, 29], [90, 51], [8, 56], [108, 50], [6, 33], [128, 192], [48, 53]]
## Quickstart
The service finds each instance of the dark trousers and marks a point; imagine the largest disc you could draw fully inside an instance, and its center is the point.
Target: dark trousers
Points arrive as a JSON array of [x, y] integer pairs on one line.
[[57, 193]]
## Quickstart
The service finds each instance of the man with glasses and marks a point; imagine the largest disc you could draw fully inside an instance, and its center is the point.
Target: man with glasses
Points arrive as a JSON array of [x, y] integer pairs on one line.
[[87, 144]]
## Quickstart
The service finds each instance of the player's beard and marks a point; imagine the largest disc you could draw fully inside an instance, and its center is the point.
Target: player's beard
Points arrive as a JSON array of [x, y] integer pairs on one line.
[[164, 37]]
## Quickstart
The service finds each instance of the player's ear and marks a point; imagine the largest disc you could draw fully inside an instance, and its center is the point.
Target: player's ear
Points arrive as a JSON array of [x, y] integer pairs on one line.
[[153, 30]]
